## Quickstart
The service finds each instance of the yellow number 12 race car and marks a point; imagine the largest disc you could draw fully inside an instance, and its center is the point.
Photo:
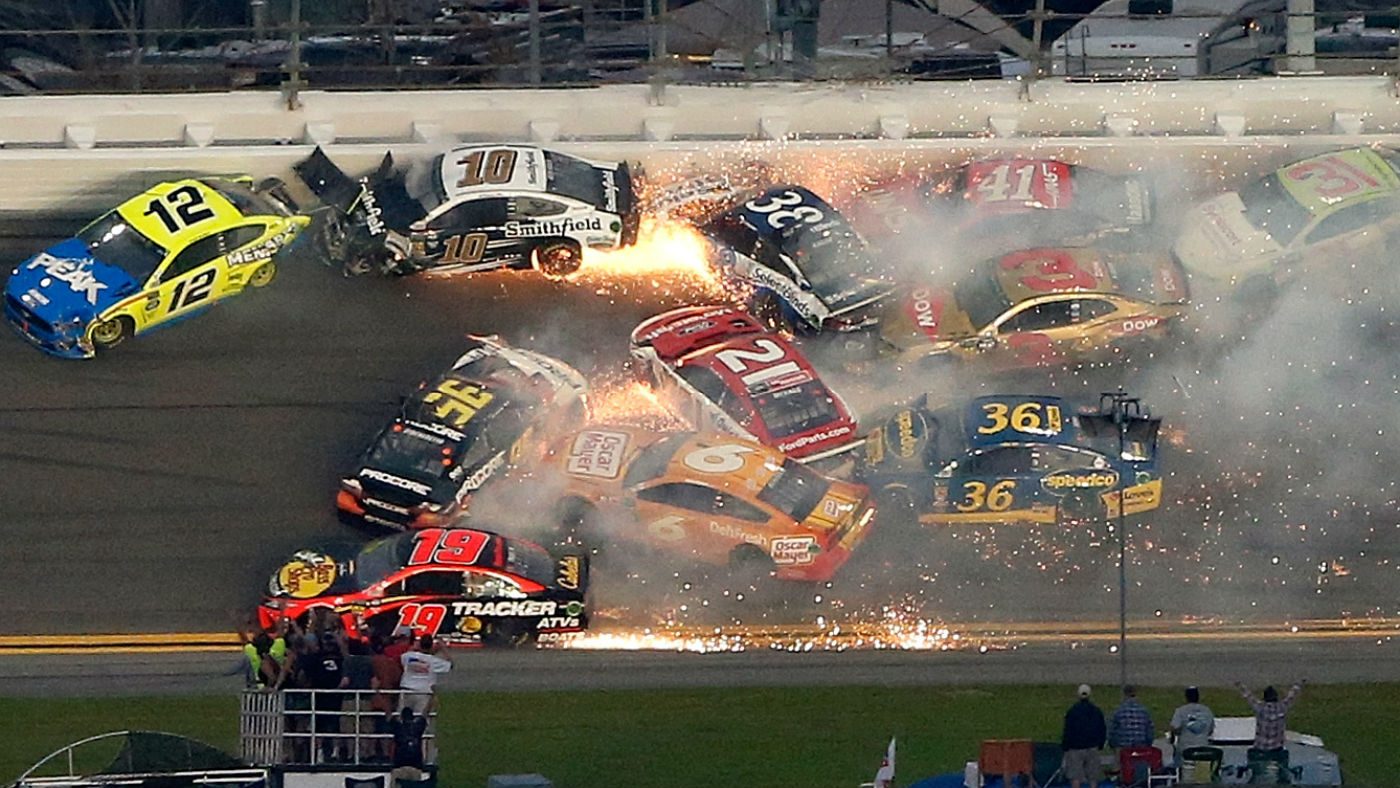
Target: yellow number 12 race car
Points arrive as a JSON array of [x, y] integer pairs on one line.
[[159, 257]]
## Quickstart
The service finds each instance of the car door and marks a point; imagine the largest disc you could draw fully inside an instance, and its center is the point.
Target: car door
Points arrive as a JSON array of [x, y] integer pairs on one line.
[[991, 484], [1066, 470], [1336, 240], [675, 516], [192, 279], [1038, 332], [463, 234]]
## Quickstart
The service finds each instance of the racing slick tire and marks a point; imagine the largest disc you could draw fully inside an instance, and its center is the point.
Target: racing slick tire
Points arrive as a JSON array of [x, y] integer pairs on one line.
[[558, 259], [263, 275], [1077, 508], [110, 333]]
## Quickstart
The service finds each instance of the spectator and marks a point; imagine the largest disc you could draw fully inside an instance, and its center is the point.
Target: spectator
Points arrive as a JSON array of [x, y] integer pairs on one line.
[[399, 643], [322, 664], [357, 723], [1082, 739], [297, 702], [1270, 716], [1131, 725], [421, 666], [407, 729], [385, 681], [1192, 723]]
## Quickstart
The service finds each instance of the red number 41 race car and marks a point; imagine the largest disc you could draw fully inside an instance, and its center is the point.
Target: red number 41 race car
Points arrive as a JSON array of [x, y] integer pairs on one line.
[[464, 586]]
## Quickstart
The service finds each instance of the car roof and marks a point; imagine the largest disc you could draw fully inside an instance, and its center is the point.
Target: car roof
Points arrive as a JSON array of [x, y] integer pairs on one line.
[[710, 358], [1045, 419], [527, 174], [145, 219], [1045, 271], [757, 464], [1307, 181]]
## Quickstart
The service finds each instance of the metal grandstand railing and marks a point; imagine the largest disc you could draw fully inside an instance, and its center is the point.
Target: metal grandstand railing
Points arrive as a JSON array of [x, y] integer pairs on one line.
[[330, 45], [298, 727]]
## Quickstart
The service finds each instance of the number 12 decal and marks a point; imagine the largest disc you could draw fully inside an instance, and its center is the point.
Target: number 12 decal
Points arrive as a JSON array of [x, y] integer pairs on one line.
[[189, 292], [189, 209]]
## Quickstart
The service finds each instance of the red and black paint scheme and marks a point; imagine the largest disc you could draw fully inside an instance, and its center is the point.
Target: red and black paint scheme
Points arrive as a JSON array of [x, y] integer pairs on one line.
[[461, 585]]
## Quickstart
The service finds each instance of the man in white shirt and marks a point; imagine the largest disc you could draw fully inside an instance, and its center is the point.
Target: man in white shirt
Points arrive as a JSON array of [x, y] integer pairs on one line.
[[421, 666], [1192, 723]]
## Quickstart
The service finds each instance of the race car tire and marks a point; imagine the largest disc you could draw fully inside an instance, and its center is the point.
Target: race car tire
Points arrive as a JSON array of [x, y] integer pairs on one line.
[[110, 333], [1077, 508], [558, 259], [263, 275], [506, 634], [750, 561]]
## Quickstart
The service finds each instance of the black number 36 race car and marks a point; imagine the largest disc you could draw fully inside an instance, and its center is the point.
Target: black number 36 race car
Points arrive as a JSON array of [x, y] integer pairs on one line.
[[474, 208]]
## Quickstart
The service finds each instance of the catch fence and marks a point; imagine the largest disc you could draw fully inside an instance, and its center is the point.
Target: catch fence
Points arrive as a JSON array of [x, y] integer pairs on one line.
[[298, 727]]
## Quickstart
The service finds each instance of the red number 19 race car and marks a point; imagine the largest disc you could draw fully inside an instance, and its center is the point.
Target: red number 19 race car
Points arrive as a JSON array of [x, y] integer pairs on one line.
[[464, 586]]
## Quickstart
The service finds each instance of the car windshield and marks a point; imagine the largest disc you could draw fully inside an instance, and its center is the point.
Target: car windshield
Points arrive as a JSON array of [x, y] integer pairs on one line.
[[381, 558], [832, 259], [797, 409], [794, 490], [574, 178], [112, 240], [530, 561], [410, 453], [983, 299], [1269, 207], [651, 461], [423, 182], [248, 202]]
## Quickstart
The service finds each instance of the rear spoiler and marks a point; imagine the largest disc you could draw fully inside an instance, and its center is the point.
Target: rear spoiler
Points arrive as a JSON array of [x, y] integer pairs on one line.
[[378, 201]]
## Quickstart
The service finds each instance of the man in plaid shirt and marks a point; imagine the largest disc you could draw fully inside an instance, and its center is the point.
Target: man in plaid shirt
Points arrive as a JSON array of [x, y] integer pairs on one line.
[[1270, 715], [1131, 725]]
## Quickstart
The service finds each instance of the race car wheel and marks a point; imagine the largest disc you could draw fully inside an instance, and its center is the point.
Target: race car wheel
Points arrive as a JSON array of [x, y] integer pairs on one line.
[[505, 634], [559, 259], [750, 561], [263, 275], [110, 333], [1076, 509]]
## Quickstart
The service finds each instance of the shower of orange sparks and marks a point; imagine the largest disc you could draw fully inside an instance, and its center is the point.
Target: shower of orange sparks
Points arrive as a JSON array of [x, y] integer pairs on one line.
[[632, 403], [668, 255]]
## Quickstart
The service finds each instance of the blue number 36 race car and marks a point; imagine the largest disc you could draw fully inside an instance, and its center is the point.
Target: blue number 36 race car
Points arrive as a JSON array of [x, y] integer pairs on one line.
[[1018, 459]]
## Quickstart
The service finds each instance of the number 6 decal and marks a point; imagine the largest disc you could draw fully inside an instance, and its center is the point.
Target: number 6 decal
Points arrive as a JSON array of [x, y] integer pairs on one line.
[[725, 458]]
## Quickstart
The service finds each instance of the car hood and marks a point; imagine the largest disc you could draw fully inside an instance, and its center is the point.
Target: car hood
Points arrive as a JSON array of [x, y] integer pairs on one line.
[[1218, 242], [64, 282], [314, 572], [922, 316]]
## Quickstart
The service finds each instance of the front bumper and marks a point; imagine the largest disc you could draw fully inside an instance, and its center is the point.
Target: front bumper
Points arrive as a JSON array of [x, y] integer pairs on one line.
[[38, 333]]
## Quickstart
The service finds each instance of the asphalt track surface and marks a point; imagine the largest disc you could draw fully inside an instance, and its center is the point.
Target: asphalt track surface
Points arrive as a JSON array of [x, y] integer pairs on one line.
[[152, 491]]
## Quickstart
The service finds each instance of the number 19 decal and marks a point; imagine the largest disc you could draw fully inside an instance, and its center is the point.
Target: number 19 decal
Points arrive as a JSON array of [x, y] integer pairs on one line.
[[422, 619], [444, 546]]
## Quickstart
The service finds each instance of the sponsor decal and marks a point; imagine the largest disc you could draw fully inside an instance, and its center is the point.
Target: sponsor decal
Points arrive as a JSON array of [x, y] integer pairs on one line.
[[789, 550], [817, 437], [831, 507], [1134, 209], [506, 607], [940, 493], [558, 622], [1050, 174], [696, 328], [480, 475], [1167, 281], [263, 251], [469, 625], [569, 572], [683, 327], [35, 296], [1211, 211], [532, 167], [396, 481], [374, 215], [307, 575], [552, 228], [1139, 324], [369, 518], [906, 441], [926, 310], [388, 507], [738, 534], [77, 274], [786, 288], [1071, 480], [610, 191], [597, 453]]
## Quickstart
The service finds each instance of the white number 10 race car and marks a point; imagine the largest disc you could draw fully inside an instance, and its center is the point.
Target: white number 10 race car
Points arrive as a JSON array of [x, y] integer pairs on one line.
[[475, 208]]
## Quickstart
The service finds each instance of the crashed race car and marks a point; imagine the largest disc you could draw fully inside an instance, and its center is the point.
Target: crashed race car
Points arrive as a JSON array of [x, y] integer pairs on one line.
[[807, 269], [713, 498], [463, 586], [1039, 307], [160, 257], [1016, 459], [999, 204], [474, 208], [495, 407], [723, 371]]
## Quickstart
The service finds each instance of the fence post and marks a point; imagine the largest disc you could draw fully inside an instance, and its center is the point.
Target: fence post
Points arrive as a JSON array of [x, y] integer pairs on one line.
[[534, 69], [1302, 42], [293, 84]]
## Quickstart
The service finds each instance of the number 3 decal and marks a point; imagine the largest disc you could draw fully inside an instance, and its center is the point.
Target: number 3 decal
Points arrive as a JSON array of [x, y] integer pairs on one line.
[[717, 459], [779, 218]]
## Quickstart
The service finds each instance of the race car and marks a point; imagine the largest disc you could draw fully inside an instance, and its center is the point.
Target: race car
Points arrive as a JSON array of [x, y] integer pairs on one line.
[[1328, 209], [1017, 459], [714, 498], [1002, 203], [494, 408], [808, 270], [720, 369], [475, 208], [463, 586], [1039, 307], [157, 258]]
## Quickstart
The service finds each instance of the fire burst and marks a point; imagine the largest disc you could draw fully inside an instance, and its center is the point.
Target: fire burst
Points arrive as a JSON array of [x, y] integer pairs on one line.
[[669, 258]]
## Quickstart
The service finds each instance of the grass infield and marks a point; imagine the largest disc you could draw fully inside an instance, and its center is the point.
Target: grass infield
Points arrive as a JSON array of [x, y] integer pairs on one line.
[[784, 738]]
